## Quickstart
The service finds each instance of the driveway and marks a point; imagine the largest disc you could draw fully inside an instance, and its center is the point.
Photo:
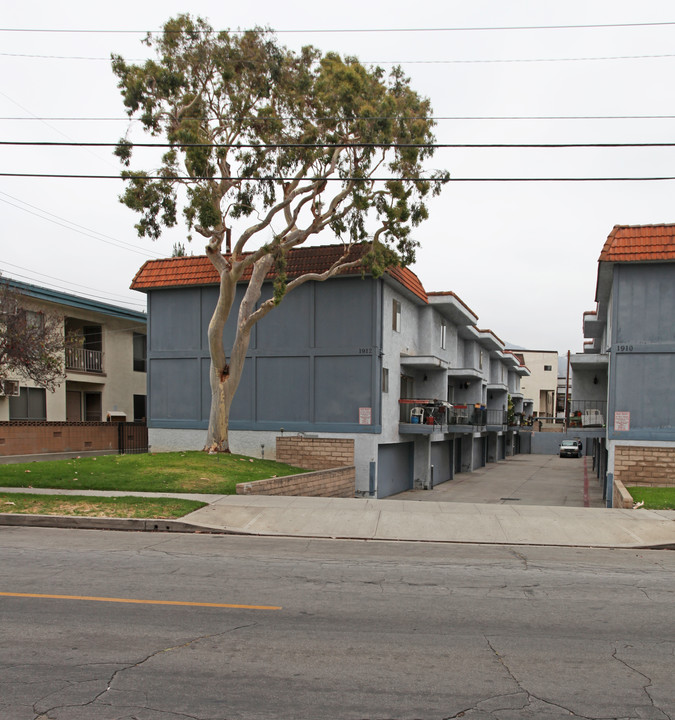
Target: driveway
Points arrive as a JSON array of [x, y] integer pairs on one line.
[[521, 480]]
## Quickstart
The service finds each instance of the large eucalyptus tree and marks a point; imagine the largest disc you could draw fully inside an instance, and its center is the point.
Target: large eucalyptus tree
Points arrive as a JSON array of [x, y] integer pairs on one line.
[[278, 146]]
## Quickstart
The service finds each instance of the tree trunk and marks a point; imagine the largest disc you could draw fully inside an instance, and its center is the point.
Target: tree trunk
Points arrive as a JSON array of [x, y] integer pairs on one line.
[[224, 376]]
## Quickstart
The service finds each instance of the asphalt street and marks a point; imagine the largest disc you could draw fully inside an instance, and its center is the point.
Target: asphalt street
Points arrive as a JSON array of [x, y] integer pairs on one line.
[[111, 625]]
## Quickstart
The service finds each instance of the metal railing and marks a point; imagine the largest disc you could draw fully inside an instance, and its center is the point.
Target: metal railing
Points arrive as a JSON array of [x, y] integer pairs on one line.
[[437, 412], [496, 417], [84, 360], [587, 413]]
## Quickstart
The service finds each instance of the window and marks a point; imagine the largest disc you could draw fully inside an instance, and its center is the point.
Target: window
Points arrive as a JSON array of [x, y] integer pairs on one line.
[[139, 408], [396, 316], [548, 368], [443, 334], [385, 380], [480, 361], [30, 405], [140, 352], [35, 320]]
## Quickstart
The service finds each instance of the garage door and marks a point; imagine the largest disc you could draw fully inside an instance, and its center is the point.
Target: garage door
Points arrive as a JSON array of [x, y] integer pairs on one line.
[[441, 459], [394, 468]]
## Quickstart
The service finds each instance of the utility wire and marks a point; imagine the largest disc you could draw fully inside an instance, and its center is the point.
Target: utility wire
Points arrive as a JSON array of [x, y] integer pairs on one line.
[[66, 289], [333, 146], [342, 179], [590, 26], [435, 118], [459, 61], [117, 298], [118, 244]]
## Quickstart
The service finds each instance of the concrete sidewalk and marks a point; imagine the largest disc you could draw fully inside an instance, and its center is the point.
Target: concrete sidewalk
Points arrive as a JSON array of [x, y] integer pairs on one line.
[[410, 520]]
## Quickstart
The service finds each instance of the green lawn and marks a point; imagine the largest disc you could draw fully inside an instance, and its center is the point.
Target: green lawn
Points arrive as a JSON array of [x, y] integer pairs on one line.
[[189, 472], [82, 505], [654, 498]]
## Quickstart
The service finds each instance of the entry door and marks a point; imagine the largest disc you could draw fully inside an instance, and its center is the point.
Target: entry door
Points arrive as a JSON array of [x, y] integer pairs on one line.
[[92, 407], [73, 406], [458, 455]]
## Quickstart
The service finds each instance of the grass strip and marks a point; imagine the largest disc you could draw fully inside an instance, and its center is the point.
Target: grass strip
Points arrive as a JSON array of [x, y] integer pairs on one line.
[[654, 498], [87, 506], [189, 472]]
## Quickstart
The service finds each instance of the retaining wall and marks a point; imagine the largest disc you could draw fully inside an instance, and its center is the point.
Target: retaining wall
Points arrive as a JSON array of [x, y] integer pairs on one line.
[[315, 453], [334, 482], [644, 465]]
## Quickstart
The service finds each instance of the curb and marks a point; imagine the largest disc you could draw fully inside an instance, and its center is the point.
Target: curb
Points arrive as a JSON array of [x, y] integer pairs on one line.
[[103, 523]]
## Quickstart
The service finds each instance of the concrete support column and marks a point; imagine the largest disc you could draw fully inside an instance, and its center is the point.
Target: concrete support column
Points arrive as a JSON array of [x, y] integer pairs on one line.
[[422, 463]]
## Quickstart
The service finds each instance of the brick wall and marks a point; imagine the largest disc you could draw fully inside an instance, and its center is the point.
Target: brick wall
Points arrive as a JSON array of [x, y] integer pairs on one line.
[[642, 465], [35, 437], [336, 482], [621, 498], [315, 453]]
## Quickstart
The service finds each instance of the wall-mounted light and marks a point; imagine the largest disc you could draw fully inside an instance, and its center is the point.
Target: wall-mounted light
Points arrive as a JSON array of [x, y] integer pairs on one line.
[[425, 377], [595, 380]]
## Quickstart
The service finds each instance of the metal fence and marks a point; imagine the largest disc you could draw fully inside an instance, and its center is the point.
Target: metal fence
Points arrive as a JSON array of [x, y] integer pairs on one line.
[[132, 438]]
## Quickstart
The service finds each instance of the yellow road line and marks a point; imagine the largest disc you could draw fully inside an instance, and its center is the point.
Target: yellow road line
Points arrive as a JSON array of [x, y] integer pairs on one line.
[[139, 602]]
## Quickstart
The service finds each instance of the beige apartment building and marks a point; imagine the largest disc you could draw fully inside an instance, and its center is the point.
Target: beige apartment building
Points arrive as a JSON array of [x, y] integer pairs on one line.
[[105, 370], [542, 384]]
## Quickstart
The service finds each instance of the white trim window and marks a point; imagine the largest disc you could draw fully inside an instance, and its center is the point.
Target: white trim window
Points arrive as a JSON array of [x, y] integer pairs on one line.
[[396, 316], [444, 332]]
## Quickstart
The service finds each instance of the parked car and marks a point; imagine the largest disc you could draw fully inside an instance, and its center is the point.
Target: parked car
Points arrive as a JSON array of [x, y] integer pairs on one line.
[[571, 448]]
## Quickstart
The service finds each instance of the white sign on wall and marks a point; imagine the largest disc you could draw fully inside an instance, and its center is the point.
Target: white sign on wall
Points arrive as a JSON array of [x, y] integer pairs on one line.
[[621, 420], [365, 416]]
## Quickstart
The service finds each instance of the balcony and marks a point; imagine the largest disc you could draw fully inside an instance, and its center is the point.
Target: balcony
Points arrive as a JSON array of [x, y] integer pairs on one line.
[[424, 416], [587, 413], [80, 359]]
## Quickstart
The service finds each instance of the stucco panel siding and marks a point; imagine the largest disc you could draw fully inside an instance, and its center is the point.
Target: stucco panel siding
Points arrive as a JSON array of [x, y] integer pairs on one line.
[[282, 389], [304, 364], [342, 385], [645, 300], [174, 389], [643, 386], [175, 320], [351, 298]]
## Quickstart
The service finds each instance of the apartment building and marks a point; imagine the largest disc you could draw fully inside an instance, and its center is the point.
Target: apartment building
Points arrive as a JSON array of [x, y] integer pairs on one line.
[[105, 363], [406, 374], [623, 381]]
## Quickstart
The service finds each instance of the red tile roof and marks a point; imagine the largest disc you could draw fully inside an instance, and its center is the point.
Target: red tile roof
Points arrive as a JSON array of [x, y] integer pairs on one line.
[[191, 271], [639, 243]]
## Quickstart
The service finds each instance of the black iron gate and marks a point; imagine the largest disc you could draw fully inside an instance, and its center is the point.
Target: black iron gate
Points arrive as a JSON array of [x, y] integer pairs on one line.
[[132, 438]]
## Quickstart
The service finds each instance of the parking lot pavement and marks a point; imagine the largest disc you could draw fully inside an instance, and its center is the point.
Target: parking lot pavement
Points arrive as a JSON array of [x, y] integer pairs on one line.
[[546, 480]]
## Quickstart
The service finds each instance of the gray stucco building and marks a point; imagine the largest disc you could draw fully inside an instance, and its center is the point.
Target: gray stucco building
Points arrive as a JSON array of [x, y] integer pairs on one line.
[[405, 373], [628, 364]]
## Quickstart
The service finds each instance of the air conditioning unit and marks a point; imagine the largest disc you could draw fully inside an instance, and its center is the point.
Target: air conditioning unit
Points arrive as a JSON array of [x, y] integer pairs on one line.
[[9, 388]]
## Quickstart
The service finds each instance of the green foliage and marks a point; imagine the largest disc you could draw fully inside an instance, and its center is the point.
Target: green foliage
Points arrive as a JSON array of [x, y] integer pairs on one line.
[[245, 116]]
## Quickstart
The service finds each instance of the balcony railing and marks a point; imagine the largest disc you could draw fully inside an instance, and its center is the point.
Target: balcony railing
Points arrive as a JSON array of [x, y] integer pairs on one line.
[[83, 360], [437, 412], [496, 417]]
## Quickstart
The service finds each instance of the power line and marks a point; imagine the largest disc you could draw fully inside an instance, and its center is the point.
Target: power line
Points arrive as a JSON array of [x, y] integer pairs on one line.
[[333, 146], [54, 286], [590, 26], [458, 61], [435, 118], [119, 298], [345, 179], [93, 234]]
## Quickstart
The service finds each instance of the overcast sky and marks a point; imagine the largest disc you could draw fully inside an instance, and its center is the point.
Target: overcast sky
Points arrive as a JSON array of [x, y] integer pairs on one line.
[[522, 255]]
